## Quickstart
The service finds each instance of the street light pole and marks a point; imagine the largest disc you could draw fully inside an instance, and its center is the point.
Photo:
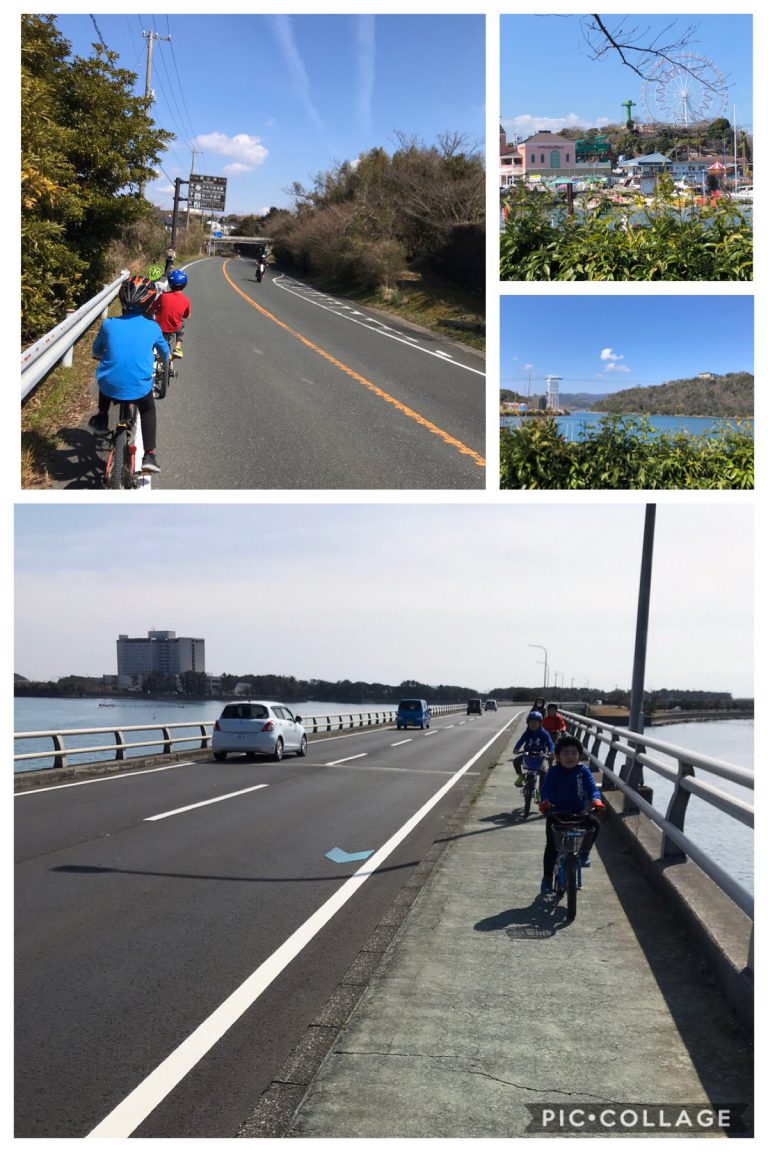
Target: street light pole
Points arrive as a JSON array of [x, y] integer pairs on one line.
[[636, 717], [546, 665]]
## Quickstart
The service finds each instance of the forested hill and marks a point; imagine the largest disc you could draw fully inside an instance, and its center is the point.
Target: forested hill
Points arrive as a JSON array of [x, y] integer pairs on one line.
[[728, 395]]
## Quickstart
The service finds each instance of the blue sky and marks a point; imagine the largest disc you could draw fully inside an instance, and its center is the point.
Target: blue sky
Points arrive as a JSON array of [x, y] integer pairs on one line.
[[272, 99], [548, 80], [602, 343], [386, 592]]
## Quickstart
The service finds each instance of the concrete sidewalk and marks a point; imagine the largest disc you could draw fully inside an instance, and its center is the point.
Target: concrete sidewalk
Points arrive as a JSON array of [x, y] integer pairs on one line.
[[489, 1000]]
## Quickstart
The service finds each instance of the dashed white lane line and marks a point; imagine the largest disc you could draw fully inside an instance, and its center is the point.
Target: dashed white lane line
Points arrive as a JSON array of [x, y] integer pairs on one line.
[[399, 742], [444, 356], [333, 763], [203, 803]]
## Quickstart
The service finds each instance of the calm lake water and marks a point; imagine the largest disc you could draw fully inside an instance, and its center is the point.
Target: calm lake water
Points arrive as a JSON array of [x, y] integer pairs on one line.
[[727, 841], [577, 425]]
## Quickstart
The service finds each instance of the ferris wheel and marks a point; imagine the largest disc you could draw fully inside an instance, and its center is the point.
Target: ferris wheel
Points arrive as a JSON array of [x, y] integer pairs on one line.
[[684, 89]]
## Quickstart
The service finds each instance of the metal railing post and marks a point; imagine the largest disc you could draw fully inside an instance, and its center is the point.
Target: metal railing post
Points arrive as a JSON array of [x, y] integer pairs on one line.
[[60, 759], [676, 810], [120, 749]]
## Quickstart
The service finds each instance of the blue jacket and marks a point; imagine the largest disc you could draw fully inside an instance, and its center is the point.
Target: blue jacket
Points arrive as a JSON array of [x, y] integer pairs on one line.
[[124, 348], [536, 743], [569, 789]]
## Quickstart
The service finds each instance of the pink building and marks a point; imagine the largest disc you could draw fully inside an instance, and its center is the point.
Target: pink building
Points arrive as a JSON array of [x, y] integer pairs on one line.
[[546, 152]]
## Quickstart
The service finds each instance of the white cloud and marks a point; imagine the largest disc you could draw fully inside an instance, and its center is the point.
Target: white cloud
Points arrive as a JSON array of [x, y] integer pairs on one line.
[[527, 125], [609, 354], [282, 26], [366, 67], [245, 152], [617, 368]]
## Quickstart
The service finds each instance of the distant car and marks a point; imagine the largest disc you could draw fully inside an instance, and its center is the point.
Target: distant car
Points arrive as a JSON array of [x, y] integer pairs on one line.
[[474, 706], [258, 728], [415, 712], [490, 706]]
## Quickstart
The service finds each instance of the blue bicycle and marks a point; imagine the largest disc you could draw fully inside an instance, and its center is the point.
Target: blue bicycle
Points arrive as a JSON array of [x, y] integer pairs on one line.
[[568, 832], [531, 767]]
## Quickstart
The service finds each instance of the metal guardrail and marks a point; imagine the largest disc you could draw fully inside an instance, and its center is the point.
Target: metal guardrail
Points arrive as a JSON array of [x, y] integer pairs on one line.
[[604, 743], [62, 752], [56, 345]]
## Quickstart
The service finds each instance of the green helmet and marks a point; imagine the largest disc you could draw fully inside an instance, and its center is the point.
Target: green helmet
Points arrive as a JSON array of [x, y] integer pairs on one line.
[[155, 272]]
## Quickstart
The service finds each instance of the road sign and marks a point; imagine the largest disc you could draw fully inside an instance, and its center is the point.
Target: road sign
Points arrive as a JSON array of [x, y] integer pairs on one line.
[[207, 192], [218, 234]]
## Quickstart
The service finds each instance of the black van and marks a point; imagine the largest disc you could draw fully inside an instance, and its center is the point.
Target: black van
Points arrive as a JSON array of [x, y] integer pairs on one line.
[[475, 705]]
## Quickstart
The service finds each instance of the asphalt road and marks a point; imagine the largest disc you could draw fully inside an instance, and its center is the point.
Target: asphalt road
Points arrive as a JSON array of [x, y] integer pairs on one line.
[[283, 387], [137, 934]]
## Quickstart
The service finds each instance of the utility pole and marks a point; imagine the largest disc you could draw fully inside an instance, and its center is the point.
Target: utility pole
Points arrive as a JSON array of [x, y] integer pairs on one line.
[[191, 174], [150, 38]]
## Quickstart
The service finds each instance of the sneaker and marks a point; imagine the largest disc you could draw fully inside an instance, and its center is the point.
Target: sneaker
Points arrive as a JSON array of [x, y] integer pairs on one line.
[[585, 862], [99, 422], [519, 781], [537, 797], [178, 352], [150, 463], [546, 886]]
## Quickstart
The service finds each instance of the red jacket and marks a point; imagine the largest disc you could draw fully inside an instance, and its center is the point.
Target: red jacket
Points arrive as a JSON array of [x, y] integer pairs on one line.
[[171, 311], [555, 725]]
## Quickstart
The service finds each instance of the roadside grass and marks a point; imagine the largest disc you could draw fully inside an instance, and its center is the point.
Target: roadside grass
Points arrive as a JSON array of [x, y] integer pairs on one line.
[[61, 400], [427, 300]]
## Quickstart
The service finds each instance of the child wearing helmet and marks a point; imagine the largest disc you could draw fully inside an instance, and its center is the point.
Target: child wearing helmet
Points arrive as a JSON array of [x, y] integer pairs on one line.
[[172, 309], [535, 741], [554, 723], [125, 348], [569, 787]]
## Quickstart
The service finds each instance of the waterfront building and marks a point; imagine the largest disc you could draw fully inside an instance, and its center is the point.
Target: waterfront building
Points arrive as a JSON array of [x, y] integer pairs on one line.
[[160, 651], [543, 156]]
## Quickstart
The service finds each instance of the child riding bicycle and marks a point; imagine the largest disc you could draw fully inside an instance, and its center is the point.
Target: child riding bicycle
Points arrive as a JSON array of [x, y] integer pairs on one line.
[[554, 723], [125, 347], [570, 787], [535, 741], [172, 309]]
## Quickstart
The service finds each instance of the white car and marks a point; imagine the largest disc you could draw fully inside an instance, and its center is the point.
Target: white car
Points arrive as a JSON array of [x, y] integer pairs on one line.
[[258, 728]]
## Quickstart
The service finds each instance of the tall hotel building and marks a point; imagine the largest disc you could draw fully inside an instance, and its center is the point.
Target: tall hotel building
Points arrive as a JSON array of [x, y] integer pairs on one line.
[[159, 652]]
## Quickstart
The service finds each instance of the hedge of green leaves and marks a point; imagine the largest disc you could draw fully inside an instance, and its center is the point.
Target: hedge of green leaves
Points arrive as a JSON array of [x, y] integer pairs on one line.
[[622, 452], [673, 241]]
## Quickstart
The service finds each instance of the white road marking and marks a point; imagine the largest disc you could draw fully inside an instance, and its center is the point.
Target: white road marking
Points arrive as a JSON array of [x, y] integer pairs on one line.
[[126, 1117], [389, 332], [432, 733], [116, 776], [399, 742], [203, 803], [333, 763]]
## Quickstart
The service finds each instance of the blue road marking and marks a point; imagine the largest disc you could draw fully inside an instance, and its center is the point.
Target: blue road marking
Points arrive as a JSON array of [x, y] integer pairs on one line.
[[339, 856]]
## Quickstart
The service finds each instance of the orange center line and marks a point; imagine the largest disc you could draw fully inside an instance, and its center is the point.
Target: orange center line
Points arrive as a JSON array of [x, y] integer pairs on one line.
[[433, 428]]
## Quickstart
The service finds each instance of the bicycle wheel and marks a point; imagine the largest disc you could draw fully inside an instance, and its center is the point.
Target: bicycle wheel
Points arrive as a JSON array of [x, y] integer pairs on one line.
[[527, 796], [117, 464], [571, 865], [162, 375]]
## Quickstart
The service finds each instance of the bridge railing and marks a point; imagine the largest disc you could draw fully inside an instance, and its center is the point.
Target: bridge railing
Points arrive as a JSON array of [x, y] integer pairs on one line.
[[175, 736], [57, 344], [622, 756]]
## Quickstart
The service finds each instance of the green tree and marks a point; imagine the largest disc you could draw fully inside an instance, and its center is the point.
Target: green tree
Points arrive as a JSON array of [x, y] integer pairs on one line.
[[87, 145]]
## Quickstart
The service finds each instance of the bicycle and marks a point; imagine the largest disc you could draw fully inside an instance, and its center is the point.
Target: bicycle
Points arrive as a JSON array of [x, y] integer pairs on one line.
[[120, 471], [568, 832], [162, 375], [531, 767]]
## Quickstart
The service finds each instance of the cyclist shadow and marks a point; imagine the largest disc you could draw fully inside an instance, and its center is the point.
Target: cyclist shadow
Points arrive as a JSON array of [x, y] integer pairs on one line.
[[79, 461], [506, 819], [543, 917]]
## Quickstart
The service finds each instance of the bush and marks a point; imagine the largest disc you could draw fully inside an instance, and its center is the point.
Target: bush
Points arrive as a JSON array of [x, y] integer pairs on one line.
[[712, 241], [623, 452]]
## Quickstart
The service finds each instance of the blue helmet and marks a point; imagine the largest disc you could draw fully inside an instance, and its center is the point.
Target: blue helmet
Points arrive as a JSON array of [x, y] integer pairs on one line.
[[534, 716], [177, 278]]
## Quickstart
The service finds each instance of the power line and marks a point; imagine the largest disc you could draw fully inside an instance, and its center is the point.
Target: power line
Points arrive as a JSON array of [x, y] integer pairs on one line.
[[178, 77], [98, 33]]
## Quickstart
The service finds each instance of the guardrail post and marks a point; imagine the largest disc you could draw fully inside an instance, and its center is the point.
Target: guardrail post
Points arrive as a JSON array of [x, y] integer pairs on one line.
[[205, 739], [68, 355], [167, 741], [120, 749], [678, 805], [610, 760], [60, 759]]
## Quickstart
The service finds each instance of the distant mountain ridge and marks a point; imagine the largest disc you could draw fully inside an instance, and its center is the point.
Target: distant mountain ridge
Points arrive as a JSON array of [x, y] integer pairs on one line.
[[732, 394]]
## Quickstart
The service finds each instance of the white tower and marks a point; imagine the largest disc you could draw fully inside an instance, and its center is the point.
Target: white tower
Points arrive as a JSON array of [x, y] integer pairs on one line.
[[553, 391]]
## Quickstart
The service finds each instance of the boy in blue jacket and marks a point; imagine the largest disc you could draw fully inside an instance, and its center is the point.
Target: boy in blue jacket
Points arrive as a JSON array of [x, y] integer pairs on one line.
[[535, 741], [569, 786]]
